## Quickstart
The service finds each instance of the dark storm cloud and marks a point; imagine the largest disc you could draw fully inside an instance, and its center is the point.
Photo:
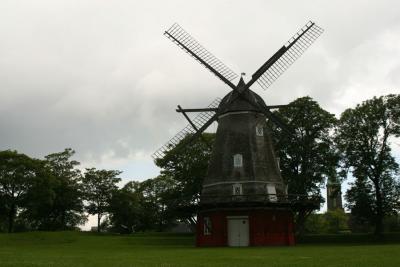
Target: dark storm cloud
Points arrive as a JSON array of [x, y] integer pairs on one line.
[[99, 76]]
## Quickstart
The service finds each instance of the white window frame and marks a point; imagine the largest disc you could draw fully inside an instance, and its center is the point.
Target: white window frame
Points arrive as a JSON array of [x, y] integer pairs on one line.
[[238, 160], [259, 130], [236, 188], [271, 191]]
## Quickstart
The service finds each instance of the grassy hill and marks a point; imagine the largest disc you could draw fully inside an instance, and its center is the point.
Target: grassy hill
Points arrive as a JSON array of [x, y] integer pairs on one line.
[[87, 249]]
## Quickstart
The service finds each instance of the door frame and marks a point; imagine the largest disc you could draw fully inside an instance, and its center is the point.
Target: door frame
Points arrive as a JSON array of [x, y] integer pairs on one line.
[[237, 217]]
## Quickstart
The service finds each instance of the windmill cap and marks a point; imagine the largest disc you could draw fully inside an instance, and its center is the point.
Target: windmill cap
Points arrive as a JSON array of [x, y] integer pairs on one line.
[[245, 102]]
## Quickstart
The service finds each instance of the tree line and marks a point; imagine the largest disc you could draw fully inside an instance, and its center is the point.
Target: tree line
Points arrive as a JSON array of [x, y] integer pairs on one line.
[[358, 144], [52, 194]]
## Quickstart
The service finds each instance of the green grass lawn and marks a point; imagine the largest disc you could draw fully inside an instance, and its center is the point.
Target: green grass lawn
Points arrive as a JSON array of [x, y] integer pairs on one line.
[[86, 249]]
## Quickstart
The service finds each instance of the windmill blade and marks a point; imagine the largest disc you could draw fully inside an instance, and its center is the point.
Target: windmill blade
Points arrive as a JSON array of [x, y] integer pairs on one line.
[[201, 122], [286, 56], [185, 41]]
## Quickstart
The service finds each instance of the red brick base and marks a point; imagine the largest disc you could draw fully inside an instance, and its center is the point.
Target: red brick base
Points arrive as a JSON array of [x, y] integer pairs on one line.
[[266, 227]]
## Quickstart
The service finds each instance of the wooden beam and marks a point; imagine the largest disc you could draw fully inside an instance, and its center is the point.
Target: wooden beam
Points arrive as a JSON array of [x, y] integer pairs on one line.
[[196, 110], [186, 116]]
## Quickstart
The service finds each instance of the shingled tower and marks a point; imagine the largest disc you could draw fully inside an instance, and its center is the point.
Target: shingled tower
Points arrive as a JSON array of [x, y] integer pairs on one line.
[[243, 160], [244, 199]]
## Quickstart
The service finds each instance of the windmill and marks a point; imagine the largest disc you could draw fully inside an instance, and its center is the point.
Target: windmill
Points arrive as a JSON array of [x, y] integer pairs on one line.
[[244, 199]]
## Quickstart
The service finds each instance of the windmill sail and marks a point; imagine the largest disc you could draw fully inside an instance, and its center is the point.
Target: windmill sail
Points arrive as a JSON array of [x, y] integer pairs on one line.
[[199, 121], [289, 53], [196, 50]]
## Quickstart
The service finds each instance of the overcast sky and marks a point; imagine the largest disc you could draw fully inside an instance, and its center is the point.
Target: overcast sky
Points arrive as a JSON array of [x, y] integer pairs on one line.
[[99, 76]]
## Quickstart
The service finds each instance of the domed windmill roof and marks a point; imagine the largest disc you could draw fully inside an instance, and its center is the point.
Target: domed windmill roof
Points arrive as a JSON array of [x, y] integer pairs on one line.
[[246, 101]]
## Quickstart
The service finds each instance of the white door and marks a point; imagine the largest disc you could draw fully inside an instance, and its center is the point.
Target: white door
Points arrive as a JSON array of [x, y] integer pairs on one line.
[[238, 231]]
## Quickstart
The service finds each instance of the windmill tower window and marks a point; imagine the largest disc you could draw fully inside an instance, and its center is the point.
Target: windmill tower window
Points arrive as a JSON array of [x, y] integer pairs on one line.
[[207, 226], [238, 161], [259, 130], [271, 191], [237, 190]]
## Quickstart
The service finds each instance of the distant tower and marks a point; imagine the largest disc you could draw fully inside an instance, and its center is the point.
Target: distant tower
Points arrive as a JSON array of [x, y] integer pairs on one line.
[[334, 194]]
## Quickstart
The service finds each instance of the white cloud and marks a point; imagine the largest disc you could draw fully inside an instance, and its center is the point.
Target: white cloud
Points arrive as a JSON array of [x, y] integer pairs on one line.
[[98, 76]]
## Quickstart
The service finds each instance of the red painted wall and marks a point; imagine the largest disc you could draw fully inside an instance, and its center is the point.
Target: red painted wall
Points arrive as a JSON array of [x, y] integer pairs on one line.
[[219, 234], [266, 227]]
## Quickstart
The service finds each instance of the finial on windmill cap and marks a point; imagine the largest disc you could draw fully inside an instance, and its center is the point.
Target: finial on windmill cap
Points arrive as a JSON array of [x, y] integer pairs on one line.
[[241, 81]]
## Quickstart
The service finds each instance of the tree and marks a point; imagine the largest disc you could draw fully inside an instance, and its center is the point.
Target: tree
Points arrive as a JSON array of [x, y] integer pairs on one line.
[[336, 221], [308, 156], [39, 200], [360, 201], [160, 197], [126, 208], [363, 137], [331, 222], [186, 166], [315, 224], [99, 186], [67, 210], [17, 172], [3, 212]]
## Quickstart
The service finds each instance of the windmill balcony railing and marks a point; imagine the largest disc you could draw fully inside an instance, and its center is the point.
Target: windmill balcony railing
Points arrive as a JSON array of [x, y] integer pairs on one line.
[[263, 199]]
